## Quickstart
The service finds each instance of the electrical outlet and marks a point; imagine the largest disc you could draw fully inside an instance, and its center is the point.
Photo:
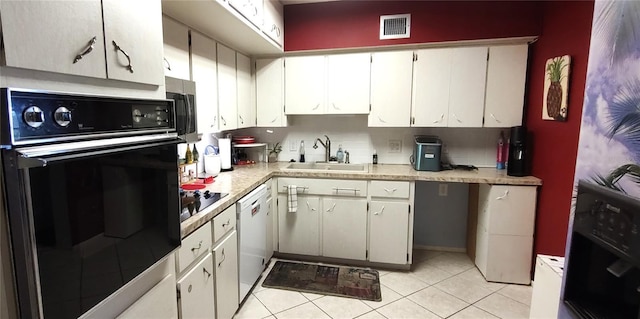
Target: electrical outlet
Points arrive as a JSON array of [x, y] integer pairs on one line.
[[293, 146], [395, 146], [443, 189]]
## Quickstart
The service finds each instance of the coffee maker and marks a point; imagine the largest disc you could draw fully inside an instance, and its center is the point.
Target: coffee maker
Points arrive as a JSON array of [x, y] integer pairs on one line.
[[518, 160]]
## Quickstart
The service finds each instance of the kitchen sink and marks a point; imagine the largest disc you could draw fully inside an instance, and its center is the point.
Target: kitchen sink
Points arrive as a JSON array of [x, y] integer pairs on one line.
[[324, 166]]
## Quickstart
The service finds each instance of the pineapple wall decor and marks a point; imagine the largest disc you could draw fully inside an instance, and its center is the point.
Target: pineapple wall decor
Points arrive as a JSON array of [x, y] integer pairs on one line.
[[556, 84]]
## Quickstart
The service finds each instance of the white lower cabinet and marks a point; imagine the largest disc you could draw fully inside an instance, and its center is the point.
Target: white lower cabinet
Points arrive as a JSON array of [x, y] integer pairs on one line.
[[344, 228], [389, 232], [271, 212], [195, 288], [226, 272], [158, 302], [504, 237], [298, 232]]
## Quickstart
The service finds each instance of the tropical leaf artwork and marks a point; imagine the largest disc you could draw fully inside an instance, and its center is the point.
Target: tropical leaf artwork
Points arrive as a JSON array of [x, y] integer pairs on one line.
[[632, 171], [556, 85]]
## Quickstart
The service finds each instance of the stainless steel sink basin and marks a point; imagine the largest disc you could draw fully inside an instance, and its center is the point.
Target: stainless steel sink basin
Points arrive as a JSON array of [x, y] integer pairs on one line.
[[323, 166]]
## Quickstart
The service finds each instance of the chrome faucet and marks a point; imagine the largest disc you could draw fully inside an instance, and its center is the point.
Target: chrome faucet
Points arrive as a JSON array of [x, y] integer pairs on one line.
[[327, 147]]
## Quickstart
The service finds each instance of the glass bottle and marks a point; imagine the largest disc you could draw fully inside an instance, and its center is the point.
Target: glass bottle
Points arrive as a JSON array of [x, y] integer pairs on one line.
[[195, 153], [340, 154], [188, 157]]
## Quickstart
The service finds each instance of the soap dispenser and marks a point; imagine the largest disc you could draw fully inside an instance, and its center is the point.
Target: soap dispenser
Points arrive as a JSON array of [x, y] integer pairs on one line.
[[302, 151], [340, 154]]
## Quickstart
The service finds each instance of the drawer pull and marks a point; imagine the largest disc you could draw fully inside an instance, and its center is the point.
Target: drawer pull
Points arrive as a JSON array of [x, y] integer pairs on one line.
[[332, 208], [227, 223], [304, 188], [354, 190], [503, 196], [390, 190], [204, 270], [223, 258], [197, 248], [310, 208], [380, 212]]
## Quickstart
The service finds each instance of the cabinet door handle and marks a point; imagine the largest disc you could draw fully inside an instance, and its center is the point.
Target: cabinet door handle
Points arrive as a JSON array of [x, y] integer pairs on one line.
[[204, 270], [86, 51], [332, 208], [316, 107], [335, 107], [381, 120], [118, 48], [167, 63], [241, 120], [503, 196], [224, 122], [457, 119], [310, 208], [380, 212], [440, 120], [390, 190], [274, 120], [493, 117], [197, 248], [223, 258]]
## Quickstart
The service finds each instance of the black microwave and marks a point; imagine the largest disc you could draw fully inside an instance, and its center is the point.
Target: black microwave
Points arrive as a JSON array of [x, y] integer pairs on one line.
[[183, 94]]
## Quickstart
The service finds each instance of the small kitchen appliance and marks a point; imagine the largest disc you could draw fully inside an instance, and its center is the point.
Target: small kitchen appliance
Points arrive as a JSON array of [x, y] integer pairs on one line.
[[183, 94], [518, 161], [426, 153]]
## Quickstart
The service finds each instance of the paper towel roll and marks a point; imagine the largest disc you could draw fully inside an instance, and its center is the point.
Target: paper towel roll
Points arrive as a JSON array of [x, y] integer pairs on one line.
[[225, 152]]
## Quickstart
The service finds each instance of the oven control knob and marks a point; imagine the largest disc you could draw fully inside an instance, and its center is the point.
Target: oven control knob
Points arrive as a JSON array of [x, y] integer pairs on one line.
[[62, 116], [33, 116]]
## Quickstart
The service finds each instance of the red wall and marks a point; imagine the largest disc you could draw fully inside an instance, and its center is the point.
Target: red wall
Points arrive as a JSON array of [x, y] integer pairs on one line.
[[348, 24], [555, 144], [563, 28]]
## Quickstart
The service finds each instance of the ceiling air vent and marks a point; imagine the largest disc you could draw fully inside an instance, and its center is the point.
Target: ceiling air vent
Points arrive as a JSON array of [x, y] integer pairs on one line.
[[395, 26]]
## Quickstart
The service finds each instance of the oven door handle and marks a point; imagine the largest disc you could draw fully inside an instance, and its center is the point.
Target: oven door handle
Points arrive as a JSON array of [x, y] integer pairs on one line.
[[27, 160]]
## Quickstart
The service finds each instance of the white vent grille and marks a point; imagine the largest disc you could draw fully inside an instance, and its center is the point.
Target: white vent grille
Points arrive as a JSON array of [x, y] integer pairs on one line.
[[395, 26]]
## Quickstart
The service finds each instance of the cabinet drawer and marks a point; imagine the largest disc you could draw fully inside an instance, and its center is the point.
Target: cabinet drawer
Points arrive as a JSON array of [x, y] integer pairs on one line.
[[510, 209], [193, 246], [339, 187], [389, 189], [224, 222]]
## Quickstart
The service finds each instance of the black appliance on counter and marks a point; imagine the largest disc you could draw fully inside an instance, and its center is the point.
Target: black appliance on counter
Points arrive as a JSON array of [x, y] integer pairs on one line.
[[91, 189], [603, 264], [518, 160]]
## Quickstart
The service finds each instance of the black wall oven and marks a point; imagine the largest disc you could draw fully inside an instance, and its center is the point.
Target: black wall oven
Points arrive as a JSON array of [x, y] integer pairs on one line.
[[91, 188], [603, 264]]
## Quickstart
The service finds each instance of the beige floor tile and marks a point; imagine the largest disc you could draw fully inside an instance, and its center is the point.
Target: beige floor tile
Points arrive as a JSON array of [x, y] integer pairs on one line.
[[406, 309], [473, 275], [341, 307], [311, 296], [403, 283], [503, 307], [429, 273], [277, 300], [438, 301], [463, 289], [520, 293], [388, 296], [453, 263], [372, 315], [421, 254], [472, 312], [304, 311], [252, 308]]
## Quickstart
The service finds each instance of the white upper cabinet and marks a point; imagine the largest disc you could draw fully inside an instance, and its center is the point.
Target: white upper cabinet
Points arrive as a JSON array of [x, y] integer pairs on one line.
[[273, 21], [133, 39], [176, 49], [227, 89], [204, 64], [348, 81], [250, 9], [391, 78], [64, 30], [431, 82], [246, 109], [468, 77], [304, 85], [270, 93], [506, 77]]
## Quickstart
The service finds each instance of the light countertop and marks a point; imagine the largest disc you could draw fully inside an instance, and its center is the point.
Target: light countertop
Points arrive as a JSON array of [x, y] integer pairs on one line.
[[243, 179]]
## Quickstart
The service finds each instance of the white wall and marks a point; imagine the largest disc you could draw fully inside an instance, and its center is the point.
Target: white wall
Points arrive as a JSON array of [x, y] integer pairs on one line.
[[475, 146]]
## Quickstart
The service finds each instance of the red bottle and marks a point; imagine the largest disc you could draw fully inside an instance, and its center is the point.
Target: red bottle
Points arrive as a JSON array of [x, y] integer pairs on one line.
[[500, 156]]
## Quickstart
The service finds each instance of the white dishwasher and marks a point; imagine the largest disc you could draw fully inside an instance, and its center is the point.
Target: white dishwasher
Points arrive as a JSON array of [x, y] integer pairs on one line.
[[252, 229]]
